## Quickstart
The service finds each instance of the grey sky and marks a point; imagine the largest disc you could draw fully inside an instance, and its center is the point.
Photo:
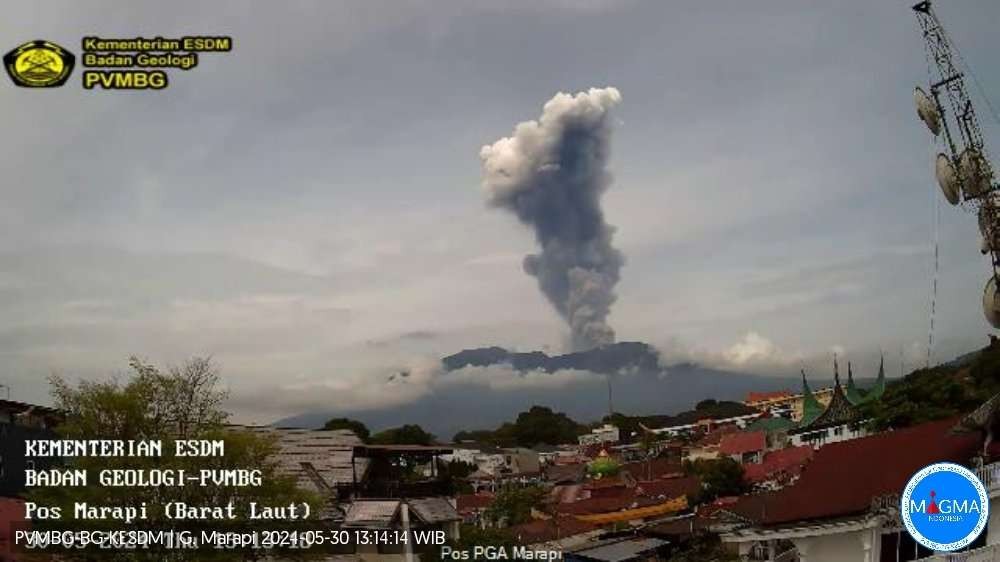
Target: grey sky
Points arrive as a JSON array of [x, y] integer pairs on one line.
[[308, 210]]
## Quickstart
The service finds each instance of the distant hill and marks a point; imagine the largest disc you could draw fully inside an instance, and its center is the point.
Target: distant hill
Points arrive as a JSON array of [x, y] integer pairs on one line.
[[641, 386]]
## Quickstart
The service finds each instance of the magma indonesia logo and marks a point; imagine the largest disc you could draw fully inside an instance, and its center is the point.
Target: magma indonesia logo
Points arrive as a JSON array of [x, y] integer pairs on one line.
[[39, 64], [945, 507]]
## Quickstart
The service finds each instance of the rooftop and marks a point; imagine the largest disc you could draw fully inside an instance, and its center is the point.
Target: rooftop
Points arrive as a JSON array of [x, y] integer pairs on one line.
[[545, 530], [621, 550], [743, 442], [843, 478]]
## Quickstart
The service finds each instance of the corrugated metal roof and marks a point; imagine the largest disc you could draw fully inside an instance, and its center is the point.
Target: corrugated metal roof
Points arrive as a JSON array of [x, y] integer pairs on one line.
[[433, 510], [371, 513], [621, 551], [328, 451]]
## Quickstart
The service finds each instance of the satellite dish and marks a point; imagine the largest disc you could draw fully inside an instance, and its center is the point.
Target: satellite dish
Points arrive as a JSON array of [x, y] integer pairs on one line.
[[976, 180], [947, 177], [991, 306], [927, 111]]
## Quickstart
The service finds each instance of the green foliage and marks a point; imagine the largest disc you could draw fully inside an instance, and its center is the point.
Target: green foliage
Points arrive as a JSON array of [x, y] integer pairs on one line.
[[627, 425], [513, 505], [538, 425], [181, 403], [706, 404], [936, 393], [359, 428], [454, 474], [409, 434], [719, 477], [476, 435], [603, 466], [542, 425]]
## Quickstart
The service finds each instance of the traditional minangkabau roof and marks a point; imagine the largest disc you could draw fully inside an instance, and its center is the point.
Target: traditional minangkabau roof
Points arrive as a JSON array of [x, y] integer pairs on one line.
[[839, 411], [811, 407], [854, 395]]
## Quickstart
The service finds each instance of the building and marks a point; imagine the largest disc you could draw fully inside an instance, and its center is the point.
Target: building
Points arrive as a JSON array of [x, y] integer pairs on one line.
[[627, 549], [778, 468], [559, 533], [744, 447], [424, 514], [607, 433], [20, 422], [841, 418], [844, 506]]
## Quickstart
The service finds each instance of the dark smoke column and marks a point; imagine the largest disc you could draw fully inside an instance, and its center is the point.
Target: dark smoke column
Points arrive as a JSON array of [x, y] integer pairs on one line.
[[551, 173]]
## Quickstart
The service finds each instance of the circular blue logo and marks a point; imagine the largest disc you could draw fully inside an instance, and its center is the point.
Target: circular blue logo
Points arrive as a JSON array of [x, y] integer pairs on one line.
[[945, 507]]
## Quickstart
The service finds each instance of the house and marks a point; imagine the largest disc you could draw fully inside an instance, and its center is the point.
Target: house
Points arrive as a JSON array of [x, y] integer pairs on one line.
[[778, 468], [472, 507], [628, 549], [19, 422], [556, 533], [11, 518], [744, 447], [607, 433], [841, 418], [844, 506], [708, 446], [321, 461], [423, 514]]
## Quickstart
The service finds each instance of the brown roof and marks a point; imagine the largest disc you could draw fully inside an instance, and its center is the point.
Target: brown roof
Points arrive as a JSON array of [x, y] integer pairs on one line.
[[743, 442], [545, 530], [844, 477], [470, 502], [565, 472], [653, 469], [760, 396], [672, 488], [788, 461]]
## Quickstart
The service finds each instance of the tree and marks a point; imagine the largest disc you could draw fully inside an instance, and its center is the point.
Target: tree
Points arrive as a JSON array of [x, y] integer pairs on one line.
[[359, 428], [541, 425], [719, 477], [475, 435], [409, 434], [706, 404], [512, 505], [156, 406]]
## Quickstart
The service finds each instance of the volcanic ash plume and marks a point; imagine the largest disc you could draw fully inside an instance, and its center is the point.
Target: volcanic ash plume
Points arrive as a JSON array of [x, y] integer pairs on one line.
[[551, 174]]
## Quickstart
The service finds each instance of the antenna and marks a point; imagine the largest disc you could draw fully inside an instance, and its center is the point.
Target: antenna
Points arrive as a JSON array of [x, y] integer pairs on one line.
[[611, 407], [966, 167]]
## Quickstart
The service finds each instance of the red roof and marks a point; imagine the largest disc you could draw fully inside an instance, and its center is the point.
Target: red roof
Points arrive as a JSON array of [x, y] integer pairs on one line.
[[715, 436], [653, 469], [761, 396], [668, 489], [789, 461], [471, 502], [544, 530], [844, 477], [743, 442]]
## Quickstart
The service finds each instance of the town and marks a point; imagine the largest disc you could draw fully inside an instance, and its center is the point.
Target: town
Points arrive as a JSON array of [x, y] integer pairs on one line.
[[780, 476]]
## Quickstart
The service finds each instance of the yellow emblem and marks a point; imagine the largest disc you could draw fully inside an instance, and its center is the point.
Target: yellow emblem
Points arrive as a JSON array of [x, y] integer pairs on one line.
[[39, 64]]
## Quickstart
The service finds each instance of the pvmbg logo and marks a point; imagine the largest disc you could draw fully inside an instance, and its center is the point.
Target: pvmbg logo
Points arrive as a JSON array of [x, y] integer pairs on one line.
[[945, 507]]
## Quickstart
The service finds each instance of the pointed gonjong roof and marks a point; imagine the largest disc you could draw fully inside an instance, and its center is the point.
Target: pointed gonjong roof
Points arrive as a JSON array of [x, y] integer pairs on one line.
[[811, 407], [839, 411], [854, 395]]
